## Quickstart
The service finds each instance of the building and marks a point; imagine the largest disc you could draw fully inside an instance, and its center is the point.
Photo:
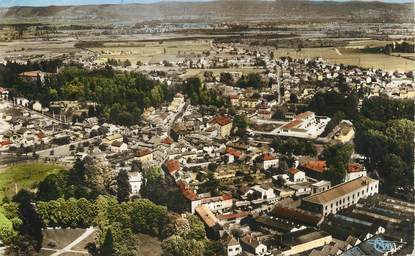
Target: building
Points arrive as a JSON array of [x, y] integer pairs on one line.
[[341, 196], [145, 156], [320, 186], [231, 245], [177, 103], [314, 169], [112, 138], [252, 245], [37, 106], [345, 132], [118, 146], [214, 203], [304, 125], [223, 124], [304, 240], [135, 179], [267, 161], [296, 175], [354, 171]]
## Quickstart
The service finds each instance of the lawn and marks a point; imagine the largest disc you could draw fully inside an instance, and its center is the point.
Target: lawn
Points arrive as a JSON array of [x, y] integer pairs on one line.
[[24, 176]]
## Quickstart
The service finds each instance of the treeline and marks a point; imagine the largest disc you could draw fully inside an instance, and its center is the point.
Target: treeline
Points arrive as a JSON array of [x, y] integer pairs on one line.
[[403, 47], [121, 96], [385, 132]]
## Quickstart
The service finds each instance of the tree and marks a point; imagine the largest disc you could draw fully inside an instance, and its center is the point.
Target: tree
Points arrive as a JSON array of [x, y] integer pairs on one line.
[[31, 226], [337, 157], [178, 246], [226, 78], [293, 98], [107, 248], [124, 187], [51, 188]]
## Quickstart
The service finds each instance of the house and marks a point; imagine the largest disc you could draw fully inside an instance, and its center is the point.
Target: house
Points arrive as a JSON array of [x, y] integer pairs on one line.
[[112, 138], [261, 192], [314, 169], [341, 196], [33, 76], [320, 186], [223, 124], [118, 146], [145, 156], [354, 171], [248, 103], [252, 245], [172, 167], [177, 103], [267, 161], [296, 175], [214, 203], [234, 99], [231, 245], [345, 132], [135, 179], [37, 106]]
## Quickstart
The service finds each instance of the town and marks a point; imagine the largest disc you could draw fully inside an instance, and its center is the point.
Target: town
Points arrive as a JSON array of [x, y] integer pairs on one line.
[[233, 150]]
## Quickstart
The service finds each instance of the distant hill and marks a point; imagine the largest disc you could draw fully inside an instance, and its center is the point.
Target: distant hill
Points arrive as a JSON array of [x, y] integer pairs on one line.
[[225, 10]]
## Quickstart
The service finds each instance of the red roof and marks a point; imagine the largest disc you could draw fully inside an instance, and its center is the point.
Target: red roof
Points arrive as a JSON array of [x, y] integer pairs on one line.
[[187, 192], [143, 152], [292, 170], [5, 142], [40, 135], [318, 166], [354, 167], [233, 215], [233, 152], [172, 166], [222, 120], [267, 157], [167, 141], [227, 196]]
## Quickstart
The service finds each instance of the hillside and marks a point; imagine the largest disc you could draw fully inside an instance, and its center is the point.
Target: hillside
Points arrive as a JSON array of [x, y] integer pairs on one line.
[[225, 10]]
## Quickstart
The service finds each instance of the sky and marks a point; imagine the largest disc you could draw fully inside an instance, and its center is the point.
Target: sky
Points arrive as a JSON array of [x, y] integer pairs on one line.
[[7, 3]]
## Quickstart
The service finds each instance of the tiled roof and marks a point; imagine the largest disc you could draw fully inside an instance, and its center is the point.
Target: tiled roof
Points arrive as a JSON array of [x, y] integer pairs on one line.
[[233, 152], [143, 152], [172, 166], [317, 166], [354, 168], [222, 120], [292, 170], [206, 215]]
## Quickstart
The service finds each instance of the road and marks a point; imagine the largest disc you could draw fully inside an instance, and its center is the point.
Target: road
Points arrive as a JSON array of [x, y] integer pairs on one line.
[[63, 150]]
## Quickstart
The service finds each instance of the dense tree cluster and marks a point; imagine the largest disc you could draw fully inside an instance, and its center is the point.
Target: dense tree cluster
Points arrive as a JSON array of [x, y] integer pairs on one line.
[[337, 157], [385, 131], [121, 96], [331, 102], [292, 146], [251, 80], [199, 94]]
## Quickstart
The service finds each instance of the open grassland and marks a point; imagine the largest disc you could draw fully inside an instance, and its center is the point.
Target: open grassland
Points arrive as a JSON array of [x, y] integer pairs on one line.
[[24, 176]]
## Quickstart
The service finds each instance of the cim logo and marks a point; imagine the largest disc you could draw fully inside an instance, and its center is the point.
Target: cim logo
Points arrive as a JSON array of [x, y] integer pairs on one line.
[[382, 245]]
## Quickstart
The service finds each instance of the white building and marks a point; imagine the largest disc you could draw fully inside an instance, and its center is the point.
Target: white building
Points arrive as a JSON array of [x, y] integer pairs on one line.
[[354, 171], [304, 125], [135, 179], [342, 195]]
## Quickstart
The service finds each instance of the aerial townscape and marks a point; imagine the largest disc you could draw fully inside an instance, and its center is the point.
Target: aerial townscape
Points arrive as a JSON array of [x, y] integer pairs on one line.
[[207, 128]]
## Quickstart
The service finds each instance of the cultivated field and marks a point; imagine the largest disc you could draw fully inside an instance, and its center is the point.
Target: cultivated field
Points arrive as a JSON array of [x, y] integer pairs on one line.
[[153, 52], [352, 57]]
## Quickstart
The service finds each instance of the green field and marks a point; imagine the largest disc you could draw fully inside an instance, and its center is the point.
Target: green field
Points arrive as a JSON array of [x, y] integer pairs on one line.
[[24, 176]]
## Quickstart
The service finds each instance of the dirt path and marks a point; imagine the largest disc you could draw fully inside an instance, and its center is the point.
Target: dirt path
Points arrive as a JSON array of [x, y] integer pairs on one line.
[[68, 248]]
